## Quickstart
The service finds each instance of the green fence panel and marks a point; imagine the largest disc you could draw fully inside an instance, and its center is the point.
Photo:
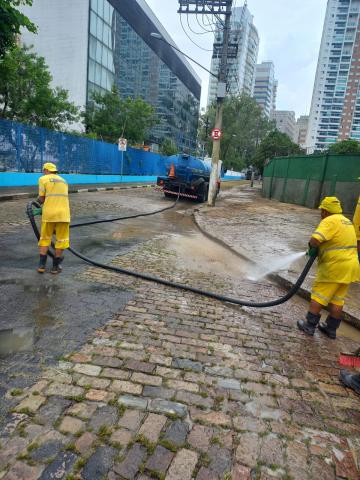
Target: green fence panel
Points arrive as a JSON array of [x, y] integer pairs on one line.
[[305, 179], [345, 167]]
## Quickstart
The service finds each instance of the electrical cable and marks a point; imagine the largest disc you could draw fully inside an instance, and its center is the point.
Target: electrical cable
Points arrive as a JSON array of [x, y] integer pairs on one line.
[[191, 40], [168, 283], [193, 31]]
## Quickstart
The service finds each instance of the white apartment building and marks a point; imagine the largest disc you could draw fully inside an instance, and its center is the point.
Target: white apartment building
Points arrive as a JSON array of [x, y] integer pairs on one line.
[[285, 122], [242, 57], [335, 107], [302, 124], [265, 88]]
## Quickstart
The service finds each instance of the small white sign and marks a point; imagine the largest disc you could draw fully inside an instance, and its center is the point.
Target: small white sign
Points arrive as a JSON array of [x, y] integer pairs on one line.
[[122, 144]]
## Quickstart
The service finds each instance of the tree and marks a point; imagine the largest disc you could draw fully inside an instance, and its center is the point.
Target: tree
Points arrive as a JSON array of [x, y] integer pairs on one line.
[[346, 146], [168, 147], [11, 22], [244, 126], [275, 144], [110, 117], [26, 94]]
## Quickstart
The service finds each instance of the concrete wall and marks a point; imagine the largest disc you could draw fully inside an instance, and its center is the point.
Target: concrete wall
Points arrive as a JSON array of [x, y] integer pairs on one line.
[[17, 179]]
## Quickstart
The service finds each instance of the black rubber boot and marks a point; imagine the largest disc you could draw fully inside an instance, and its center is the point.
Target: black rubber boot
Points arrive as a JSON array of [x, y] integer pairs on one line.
[[56, 268], [330, 326], [309, 326], [42, 264], [350, 380]]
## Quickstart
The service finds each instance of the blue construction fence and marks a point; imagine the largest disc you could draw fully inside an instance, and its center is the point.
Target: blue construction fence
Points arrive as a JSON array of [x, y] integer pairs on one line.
[[25, 149]]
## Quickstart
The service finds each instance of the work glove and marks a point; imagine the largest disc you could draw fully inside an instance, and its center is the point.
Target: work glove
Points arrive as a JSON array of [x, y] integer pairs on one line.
[[312, 251], [37, 211]]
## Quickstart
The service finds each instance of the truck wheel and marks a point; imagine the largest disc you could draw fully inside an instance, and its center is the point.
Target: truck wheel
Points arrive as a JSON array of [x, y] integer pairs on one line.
[[203, 194]]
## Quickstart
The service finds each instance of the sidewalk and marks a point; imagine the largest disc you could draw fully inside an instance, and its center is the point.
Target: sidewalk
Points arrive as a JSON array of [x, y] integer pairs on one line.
[[261, 230], [15, 193], [177, 386]]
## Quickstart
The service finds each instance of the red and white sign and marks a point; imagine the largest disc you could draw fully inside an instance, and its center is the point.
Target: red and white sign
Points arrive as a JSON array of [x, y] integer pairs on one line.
[[216, 133]]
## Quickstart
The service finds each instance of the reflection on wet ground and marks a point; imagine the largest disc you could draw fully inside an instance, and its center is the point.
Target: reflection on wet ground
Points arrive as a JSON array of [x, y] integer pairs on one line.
[[14, 340]]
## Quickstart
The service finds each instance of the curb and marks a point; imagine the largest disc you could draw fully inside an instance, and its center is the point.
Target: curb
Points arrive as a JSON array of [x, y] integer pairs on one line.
[[279, 279], [18, 196]]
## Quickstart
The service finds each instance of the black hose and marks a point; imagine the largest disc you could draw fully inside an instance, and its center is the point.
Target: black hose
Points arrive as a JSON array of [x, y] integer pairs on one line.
[[115, 219], [168, 283]]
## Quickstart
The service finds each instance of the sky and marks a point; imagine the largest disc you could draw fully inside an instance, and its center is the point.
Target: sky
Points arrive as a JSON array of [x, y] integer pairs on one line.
[[290, 34]]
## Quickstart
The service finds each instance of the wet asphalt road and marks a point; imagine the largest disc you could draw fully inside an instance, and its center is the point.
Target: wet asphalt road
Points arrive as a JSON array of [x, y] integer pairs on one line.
[[43, 317]]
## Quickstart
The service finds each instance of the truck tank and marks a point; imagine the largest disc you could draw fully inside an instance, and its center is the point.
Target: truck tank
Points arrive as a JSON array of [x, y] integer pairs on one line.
[[188, 175]]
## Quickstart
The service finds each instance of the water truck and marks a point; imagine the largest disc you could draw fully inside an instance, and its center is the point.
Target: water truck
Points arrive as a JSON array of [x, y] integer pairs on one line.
[[188, 176]]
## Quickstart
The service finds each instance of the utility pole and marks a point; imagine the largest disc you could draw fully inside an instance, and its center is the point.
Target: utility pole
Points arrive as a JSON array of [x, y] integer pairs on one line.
[[219, 107], [213, 7]]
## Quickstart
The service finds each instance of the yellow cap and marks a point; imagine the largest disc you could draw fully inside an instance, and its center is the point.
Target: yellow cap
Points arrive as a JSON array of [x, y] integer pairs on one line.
[[50, 166], [331, 205]]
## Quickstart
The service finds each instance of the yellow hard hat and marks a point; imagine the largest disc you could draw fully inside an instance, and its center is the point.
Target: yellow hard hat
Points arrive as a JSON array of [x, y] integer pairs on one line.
[[331, 205], [50, 166]]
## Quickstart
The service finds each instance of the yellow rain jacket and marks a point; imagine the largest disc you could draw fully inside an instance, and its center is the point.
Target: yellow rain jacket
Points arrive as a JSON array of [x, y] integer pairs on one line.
[[56, 206], [356, 220], [338, 259]]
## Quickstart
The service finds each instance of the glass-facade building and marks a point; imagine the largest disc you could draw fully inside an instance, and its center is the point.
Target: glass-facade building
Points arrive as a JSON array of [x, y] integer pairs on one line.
[[335, 108], [121, 52]]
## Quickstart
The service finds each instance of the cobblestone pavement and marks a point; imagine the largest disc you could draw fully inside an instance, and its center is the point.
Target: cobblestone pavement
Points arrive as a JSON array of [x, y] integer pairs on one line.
[[178, 387]]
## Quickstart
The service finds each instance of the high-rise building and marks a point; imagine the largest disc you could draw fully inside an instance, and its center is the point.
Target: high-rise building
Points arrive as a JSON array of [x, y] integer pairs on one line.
[[285, 122], [90, 45], [301, 129], [265, 88], [335, 107], [242, 55]]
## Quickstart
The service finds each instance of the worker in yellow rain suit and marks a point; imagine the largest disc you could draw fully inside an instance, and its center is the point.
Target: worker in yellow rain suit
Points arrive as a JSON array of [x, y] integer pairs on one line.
[[335, 242], [352, 380], [53, 194], [356, 222]]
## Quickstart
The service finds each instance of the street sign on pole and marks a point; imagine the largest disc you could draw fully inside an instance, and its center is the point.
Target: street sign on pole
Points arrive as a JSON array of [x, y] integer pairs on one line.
[[122, 144], [216, 133]]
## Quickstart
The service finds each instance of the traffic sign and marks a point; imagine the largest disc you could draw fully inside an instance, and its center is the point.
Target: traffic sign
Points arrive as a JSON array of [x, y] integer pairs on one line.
[[122, 144], [216, 133]]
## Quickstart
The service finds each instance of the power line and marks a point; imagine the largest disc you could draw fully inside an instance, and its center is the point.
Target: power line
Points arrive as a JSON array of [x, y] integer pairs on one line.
[[203, 25], [193, 31], [191, 40]]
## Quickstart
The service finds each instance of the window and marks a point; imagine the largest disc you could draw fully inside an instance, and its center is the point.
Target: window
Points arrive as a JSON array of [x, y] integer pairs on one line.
[[91, 71], [98, 52]]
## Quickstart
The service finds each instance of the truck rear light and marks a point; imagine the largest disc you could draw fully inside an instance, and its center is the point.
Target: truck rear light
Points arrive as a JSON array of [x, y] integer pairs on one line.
[[161, 182]]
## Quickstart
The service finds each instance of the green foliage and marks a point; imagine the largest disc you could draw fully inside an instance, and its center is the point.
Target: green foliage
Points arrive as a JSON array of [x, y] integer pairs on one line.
[[275, 144], [168, 147], [26, 94], [244, 127], [109, 117], [11, 22], [346, 146]]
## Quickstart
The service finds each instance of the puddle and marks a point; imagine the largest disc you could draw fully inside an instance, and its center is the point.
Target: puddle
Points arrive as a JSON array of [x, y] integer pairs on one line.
[[199, 253], [348, 331], [15, 340]]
